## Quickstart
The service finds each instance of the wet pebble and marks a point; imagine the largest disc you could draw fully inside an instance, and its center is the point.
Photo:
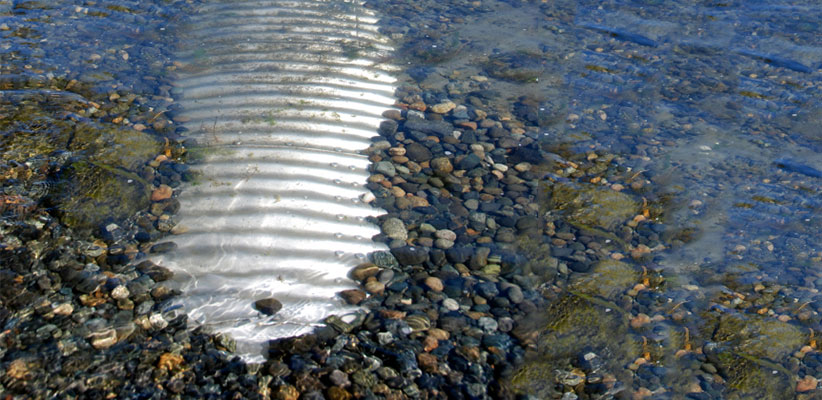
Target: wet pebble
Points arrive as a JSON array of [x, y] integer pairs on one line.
[[394, 228], [434, 283], [451, 304], [268, 306], [163, 192], [364, 271], [442, 166], [353, 296], [410, 255]]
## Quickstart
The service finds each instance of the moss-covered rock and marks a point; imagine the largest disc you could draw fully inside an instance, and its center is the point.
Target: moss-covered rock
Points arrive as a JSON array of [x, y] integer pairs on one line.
[[92, 162], [608, 278], [89, 193], [114, 146], [749, 377], [588, 205], [758, 336], [571, 325], [750, 352], [517, 66]]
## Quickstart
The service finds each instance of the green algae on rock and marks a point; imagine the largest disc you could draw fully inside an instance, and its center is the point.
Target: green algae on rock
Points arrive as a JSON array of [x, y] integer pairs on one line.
[[607, 279], [572, 325], [748, 376], [93, 163], [517, 66], [90, 193], [759, 336], [592, 206]]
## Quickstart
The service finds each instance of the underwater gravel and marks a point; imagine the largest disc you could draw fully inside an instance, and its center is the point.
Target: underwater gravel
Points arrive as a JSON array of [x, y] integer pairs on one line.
[[495, 268]]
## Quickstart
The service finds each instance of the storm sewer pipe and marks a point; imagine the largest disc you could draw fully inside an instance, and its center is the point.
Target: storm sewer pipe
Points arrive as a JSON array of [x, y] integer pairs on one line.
[[281, 97]]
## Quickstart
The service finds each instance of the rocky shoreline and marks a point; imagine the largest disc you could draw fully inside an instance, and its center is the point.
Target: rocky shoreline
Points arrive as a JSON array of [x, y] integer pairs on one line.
[[448, 303], [520, 266]]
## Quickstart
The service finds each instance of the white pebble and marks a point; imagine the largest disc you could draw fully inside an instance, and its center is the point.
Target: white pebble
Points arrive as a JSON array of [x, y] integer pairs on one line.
[[451, 304], [120, 293], [157, 321]]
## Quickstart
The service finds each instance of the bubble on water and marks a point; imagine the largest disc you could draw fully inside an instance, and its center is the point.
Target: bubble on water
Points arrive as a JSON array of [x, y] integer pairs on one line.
[[339, 253], [334, 165], [359, 237], [360, 256], [338, 149], [338, 235], [338, 198], [337, 181], [340, 217], [352, 167]]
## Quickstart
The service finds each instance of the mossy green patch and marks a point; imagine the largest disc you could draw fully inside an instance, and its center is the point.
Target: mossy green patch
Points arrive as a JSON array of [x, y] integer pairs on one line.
[[747, 378], [758, 336], [607, 279], [90, 193], [591, 206], [93, 162], [517, 66], [571, 325]]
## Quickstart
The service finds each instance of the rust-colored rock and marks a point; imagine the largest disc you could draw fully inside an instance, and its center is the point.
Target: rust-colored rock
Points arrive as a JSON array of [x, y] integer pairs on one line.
[[353, 296], [428, 362], [375, 287], [338, 393], [392, 314], [161, 193], [19, 369], [806, 384], [439, 334], [169, 361], [430, 343], [286, 392]]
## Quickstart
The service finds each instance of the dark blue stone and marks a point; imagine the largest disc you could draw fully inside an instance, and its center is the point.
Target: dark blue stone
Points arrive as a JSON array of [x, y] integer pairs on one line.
[[470, 161], [486, 289], [499, 340]]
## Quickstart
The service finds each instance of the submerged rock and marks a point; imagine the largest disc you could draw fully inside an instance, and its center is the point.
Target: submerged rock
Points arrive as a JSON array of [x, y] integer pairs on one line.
[[268, 306], [519, 66], [607, 278], [410, 255], [592, 206], [95, 162]]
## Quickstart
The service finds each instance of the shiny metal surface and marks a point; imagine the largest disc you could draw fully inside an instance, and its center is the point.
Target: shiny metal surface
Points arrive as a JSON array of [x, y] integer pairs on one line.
[[282, 96]]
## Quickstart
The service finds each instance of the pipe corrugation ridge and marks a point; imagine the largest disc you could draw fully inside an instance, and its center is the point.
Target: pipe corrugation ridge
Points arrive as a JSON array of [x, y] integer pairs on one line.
[[282, 96]]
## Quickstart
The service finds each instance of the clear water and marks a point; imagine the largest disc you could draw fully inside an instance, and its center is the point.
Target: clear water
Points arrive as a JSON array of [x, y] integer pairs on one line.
[[711, 111]]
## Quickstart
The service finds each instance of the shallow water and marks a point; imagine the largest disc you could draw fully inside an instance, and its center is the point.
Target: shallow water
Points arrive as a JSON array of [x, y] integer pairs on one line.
[[701, 103], [704, 116]]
